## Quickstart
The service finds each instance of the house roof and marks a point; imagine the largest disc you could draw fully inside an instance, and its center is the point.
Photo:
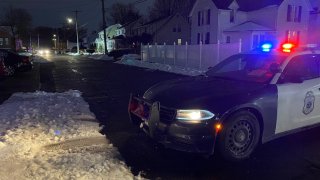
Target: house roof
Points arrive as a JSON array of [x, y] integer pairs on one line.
[[244, 5], [111, 30], [247, 5], [248, 26], [156, 20], [132, 22]]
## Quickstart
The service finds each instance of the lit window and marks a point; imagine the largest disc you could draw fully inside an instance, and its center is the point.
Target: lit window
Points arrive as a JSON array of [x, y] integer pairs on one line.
[[179, 41]]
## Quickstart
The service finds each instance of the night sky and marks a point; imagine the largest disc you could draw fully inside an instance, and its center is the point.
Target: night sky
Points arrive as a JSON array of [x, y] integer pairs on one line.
[[53, 13]]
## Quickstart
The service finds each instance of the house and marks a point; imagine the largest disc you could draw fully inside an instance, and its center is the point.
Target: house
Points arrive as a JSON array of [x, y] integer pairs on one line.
[[314, 24], [111, 32], [214, 21], [6, 38], [169, 30]]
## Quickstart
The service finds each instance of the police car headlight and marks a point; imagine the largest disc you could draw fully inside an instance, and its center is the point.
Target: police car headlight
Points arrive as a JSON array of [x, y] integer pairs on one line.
[[193, 116]]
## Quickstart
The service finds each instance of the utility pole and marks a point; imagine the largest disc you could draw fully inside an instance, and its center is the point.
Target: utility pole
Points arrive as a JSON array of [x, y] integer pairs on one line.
[[38, 41], [30, 44], [104, 27], [78, 48]]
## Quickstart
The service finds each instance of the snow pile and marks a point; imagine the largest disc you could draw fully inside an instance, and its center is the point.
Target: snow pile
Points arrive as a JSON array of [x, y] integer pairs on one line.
[[134, 61], [72, 54], [55, 136], [101, 57]]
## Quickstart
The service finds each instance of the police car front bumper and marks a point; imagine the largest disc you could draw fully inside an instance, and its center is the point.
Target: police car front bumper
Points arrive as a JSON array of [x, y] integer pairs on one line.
[[197, 138]]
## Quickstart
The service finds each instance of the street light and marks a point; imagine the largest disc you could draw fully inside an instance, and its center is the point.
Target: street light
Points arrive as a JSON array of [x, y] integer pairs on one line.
[[70, 21]]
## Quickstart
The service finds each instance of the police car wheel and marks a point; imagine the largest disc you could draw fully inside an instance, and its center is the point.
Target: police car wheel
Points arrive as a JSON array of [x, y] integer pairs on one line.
[[239, 137]]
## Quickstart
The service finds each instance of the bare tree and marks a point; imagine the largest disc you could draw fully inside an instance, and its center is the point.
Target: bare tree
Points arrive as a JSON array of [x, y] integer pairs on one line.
[[123, 13], [163, 8], [20, 21]]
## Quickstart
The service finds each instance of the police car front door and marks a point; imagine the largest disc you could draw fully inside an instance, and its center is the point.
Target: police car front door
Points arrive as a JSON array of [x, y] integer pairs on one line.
[[299, 94]]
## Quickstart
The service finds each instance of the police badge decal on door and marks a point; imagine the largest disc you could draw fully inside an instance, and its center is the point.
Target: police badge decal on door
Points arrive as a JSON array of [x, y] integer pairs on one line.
[[308, 103]]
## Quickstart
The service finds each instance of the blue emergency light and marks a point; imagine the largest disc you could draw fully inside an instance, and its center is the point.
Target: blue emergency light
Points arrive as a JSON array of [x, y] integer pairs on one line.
[[266, 47]]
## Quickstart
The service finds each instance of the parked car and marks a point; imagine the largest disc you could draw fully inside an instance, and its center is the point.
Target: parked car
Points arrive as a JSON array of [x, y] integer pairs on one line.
[[245, 100], [14, 62], [24, 53]]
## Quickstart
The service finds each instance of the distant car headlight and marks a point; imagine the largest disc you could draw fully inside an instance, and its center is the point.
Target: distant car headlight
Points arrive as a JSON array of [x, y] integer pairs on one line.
[[47, 51], [194, 116], [40, 52]]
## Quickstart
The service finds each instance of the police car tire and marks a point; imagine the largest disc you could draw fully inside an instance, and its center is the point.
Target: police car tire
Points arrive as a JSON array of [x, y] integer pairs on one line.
[[239, 137]]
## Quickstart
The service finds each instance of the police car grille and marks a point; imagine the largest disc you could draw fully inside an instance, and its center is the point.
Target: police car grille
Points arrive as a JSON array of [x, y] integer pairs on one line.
[[167, 115]]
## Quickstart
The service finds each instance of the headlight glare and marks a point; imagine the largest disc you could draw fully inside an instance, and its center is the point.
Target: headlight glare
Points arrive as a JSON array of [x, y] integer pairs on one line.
[[194, 115]]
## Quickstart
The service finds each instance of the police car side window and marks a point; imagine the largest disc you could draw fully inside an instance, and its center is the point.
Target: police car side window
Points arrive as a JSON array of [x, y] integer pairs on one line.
[[304, 67]]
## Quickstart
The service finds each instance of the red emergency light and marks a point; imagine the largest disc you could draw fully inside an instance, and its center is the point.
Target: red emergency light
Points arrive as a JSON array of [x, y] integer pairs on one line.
[[287, 47]]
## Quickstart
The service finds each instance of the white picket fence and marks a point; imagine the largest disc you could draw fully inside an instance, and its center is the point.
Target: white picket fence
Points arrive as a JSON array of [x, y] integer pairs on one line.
[[200, 56]]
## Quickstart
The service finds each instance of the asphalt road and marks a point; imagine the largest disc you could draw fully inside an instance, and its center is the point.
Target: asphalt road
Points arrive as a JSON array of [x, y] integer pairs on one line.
[[106, 86]]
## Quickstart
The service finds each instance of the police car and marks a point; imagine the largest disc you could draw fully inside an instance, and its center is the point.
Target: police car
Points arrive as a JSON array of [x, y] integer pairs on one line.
[[247, 99]]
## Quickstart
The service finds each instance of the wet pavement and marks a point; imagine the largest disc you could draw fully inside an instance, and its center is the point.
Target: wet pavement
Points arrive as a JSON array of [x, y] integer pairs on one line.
[[106, 86]]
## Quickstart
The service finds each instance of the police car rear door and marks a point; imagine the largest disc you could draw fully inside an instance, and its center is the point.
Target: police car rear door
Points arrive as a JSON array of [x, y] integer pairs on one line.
[[299, 93]]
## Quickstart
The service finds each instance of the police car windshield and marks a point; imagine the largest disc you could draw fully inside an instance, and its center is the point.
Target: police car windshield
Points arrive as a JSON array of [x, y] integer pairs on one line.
[[247, 67]]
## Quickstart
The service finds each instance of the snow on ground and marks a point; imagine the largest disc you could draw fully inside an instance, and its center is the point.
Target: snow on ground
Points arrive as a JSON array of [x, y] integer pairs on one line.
[[100, 57], [73, 54], [55, 136], [133, 60]]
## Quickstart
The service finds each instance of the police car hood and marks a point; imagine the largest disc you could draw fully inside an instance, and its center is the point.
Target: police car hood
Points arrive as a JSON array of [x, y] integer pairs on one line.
[[201, 92]]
